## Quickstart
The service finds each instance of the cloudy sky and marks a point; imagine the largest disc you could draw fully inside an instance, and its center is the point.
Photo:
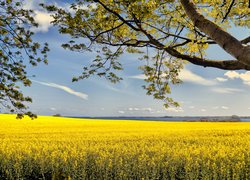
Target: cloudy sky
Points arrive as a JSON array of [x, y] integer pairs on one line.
[[205, 91]]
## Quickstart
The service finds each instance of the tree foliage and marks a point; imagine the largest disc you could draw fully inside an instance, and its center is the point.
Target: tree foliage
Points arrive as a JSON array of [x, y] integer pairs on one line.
[[17, 50], [166, 33]]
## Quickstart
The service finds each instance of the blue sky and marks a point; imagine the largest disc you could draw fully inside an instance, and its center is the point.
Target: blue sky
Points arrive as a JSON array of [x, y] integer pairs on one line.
[[205, 91]]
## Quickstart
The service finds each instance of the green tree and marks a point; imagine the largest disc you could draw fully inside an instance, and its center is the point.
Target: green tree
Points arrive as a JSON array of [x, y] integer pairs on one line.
[[176, 32], [17, 50]]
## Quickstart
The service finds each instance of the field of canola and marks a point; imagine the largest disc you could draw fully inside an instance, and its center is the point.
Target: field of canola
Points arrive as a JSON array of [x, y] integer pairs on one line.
[[64, 148]]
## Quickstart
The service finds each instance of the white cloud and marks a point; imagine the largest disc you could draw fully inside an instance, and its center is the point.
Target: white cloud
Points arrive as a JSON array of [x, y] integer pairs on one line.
[[175, 109], [121, 112], [67, 6], [88, 7], [220, 79], [226, 90], [224, 107], [93, 6], [43, 19], [203, 110], [53, 109], [139, 76], [118, 88], [64, 88], [215, 107], [112, 88], [232, 74], [188, 76], [245, 77], [133, 109], [31, 4], [148, 109], [220, 107]]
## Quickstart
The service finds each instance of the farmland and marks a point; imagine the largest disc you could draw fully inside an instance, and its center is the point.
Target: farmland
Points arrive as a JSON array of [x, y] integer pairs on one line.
[[66, 148]]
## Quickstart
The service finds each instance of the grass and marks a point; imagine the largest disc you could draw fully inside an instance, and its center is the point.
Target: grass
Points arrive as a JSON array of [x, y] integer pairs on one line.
[[65, 148]]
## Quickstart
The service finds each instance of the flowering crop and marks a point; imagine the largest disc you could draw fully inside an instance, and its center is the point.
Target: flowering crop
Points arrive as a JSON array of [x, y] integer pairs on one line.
[[67, 148]]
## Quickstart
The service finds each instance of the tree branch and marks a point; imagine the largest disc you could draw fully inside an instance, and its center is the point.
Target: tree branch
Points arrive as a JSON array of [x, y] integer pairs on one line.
[[221, 64], [228, 11], [246, 40], [229, 43], [225, 64], [116, 14], [112, 29], [219, 36]]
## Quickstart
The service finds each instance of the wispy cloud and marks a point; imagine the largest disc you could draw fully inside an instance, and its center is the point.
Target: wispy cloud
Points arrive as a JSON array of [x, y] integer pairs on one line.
[[112, 88], [52, 109], [139, 76], [188, 76], [175, 109], [121, 112], [220, 79], [64, 88], [133, 109], [122, 87], [224, 107], [226, 90], [215, 107], [147, 109], [220, 107]]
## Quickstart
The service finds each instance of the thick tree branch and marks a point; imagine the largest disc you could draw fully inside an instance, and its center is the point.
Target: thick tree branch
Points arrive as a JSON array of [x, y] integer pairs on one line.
[[225, 65], [221, 64], [229, 43], [243, 41], [220, 37], [246, 40]]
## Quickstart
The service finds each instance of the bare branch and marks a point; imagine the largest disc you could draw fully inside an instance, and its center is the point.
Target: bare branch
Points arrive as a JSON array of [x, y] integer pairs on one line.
[[228, 11], [109, 30], [118, 15], [166, 33]]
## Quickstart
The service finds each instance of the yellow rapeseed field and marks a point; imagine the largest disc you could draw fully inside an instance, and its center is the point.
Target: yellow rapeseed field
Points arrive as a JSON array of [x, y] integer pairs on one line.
[[66, 148]]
